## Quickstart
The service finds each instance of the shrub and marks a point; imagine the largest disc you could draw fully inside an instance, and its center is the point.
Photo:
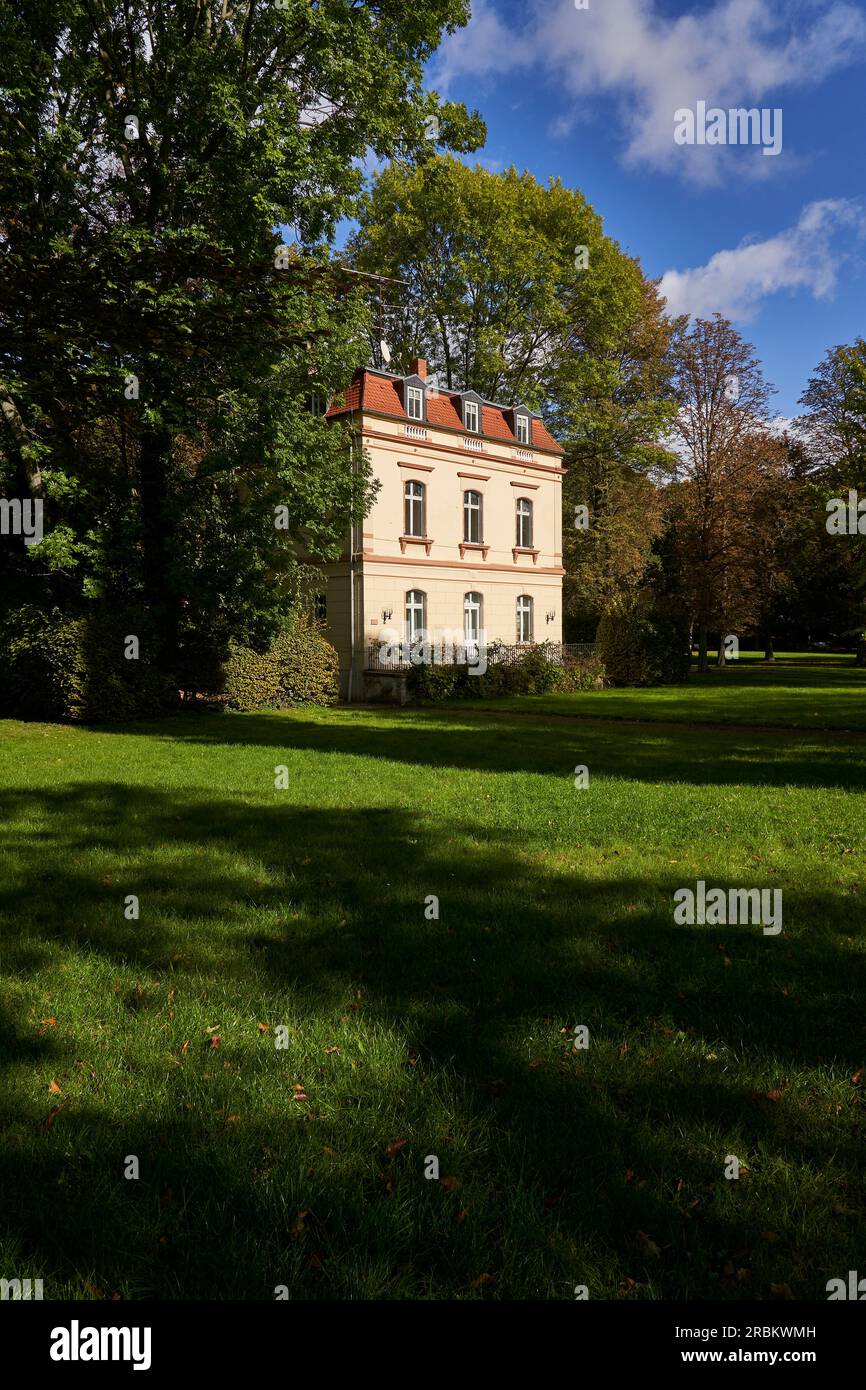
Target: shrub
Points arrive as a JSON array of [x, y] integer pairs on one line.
[[308, 666], [56, 667], [300, 667], [532, 674], [428, 682], [585, 675], [643, 645]]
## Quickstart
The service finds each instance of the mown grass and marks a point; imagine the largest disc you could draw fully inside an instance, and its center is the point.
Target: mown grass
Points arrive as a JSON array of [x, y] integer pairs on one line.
[[411, 1037], [800, 691]]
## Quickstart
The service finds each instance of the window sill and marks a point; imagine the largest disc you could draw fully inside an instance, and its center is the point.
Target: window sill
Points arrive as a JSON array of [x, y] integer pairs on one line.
[[473, 545], [416, 540], [525, 550]]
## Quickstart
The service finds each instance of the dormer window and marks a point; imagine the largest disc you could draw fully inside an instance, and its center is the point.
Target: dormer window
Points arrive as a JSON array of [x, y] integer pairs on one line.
[[470, 417], [415, 402], [521, 428]]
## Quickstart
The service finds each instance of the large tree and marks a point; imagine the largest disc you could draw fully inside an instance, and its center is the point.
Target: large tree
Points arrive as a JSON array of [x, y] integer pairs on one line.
[[724, 461], [158, 353], [513, 289]]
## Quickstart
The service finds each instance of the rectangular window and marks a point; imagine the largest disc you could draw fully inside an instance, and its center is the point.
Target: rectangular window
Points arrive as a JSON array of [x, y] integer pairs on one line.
[[414, 402], [470, 416], [321, 608], [524, 523], [524, 618], [523, 429], [414, 520], [472, 517], [416, 614]]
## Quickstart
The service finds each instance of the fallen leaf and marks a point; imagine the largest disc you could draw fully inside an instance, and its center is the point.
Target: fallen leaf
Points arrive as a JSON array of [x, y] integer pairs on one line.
[[52, 1116], [54, 1089], [184, 1048], [297, 1227], [395, 1146], [215, 1040], [49, 1022], [449, 1183], [264, 1027]]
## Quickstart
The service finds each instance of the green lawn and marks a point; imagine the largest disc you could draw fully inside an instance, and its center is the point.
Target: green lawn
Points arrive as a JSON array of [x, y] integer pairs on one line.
[[795, 691], [410, 1037]]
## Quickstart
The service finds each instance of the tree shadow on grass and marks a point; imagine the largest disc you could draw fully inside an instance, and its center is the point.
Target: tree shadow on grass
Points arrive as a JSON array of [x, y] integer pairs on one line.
[[572, 1166], [692, 756]]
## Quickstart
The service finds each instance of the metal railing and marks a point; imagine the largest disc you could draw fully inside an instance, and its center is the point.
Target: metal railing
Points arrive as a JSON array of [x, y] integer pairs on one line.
[[401, 656]]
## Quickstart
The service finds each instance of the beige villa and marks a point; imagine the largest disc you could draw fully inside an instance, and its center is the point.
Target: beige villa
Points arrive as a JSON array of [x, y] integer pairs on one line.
[[465, 534]]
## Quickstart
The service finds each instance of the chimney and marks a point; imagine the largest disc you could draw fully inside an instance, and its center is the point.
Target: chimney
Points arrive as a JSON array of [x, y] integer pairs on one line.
[[419, 368]]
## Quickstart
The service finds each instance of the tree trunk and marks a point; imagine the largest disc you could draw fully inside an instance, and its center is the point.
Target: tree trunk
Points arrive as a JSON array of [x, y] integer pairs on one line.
[[21, 438], [156, 528], [703, 664]]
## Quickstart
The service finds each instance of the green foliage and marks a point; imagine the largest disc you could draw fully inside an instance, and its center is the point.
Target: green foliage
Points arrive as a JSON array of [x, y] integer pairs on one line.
[[643, 644], [428, 682], [74, 669], [534, 673], [300, 667], [156, 254]]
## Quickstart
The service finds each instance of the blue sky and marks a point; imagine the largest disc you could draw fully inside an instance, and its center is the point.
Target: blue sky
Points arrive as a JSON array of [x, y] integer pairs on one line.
[[776, 243]]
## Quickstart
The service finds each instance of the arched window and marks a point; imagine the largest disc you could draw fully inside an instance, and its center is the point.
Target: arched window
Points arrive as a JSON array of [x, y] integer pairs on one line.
[[472, 529], [472, 605], [416, 614], [524, 523], [414, 510], [524, 618]]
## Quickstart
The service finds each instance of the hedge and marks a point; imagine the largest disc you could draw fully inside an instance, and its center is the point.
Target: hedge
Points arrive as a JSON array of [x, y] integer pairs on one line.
[[642, 644], [531, 674], [300, 667], [74, 669]]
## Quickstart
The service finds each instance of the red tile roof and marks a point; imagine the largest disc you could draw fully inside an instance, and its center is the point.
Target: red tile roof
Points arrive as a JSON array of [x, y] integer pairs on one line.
[[376, 392]]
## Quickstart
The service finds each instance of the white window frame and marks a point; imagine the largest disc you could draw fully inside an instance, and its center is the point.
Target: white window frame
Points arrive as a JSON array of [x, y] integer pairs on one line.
[[473, 606], [525, 611], [473, 509], [472, 417], [524, 517], [415, 402], [414, 502], [521, 424], [415, 606]]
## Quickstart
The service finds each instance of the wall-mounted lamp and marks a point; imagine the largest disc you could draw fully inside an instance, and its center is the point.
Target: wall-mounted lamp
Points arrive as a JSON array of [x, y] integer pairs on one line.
[[387, 615], [549, 617]]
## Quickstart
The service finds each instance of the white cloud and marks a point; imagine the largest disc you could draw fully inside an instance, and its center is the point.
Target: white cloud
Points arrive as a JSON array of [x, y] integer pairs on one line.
[[485, 48], [733, 53], [808, 256]]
